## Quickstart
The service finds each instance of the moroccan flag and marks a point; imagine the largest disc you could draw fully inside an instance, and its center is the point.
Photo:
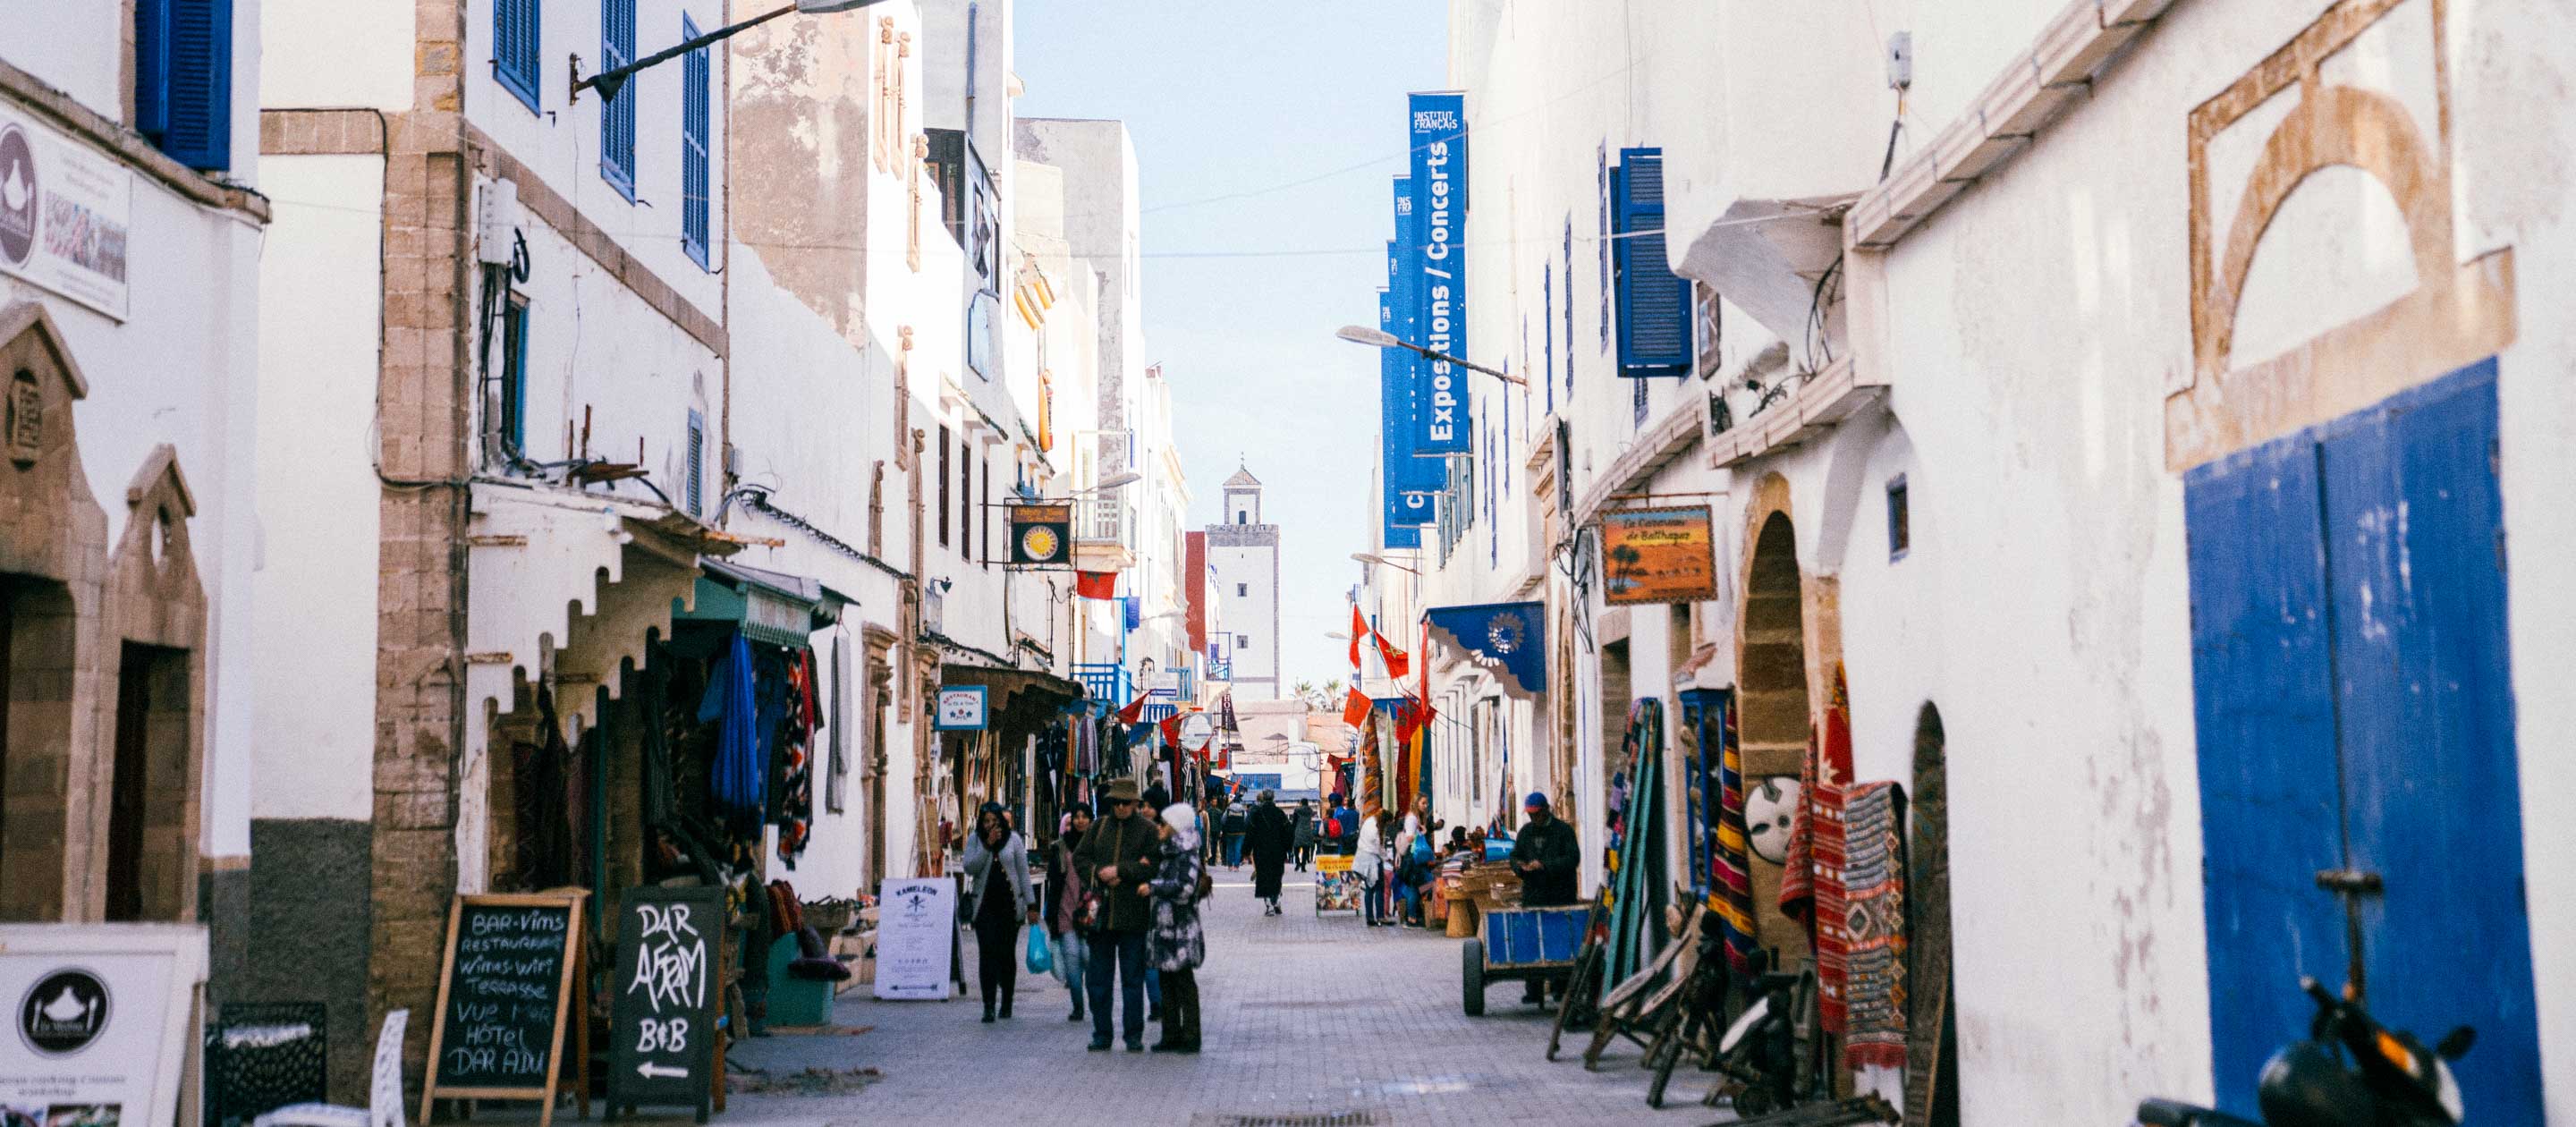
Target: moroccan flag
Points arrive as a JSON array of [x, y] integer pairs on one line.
[[1398, 663], [1359, 629], [1172, 730], [1135, 711], [1355, 708], [1096, 584]]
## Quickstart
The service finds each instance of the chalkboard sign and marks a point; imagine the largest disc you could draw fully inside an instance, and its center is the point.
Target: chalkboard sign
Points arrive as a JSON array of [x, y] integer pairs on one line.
[[503, 993], [662, 1021]]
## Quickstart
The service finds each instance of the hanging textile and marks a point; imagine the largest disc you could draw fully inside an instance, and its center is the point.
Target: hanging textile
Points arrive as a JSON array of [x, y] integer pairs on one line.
[[1811, 884], [1369, 803], [1874, 877], [1733, 872], [734, 780], [793, 766]]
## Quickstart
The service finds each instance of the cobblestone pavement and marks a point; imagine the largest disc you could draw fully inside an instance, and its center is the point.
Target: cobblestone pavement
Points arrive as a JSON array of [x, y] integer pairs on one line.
[[1303, 1016]]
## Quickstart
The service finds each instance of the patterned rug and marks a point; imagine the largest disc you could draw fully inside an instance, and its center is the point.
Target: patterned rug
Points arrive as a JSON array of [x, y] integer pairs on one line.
[[1811, 884], [1733, 895], [1874, 926]]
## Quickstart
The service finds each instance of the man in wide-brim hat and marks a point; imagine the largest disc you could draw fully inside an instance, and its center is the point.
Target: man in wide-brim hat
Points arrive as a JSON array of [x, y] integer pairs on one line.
[[1117, 855]]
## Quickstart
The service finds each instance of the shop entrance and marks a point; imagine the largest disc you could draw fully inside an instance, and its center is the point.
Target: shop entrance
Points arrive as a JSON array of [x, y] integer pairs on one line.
[[2352, 684], [147, 791], [1772, 711]]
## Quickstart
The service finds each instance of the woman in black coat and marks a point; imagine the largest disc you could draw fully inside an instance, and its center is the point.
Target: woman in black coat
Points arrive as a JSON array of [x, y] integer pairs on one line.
[[1270, 837]]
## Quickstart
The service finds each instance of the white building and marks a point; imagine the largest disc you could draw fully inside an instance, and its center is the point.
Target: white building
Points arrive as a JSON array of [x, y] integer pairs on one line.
[[2013, 427], [130, 235]]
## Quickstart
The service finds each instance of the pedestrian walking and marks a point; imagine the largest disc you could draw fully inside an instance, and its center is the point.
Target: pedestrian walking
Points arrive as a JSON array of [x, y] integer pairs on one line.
[[1066, 886], [1548, 859], [1118, 856], [1237, 823], [1178, 943], [1302, 829], [1212, 814], [1269, 838], [999, 860], [1368, 859]]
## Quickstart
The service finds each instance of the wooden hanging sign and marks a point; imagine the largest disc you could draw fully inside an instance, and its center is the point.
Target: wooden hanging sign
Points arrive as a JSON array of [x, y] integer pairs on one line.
[[505, 989]]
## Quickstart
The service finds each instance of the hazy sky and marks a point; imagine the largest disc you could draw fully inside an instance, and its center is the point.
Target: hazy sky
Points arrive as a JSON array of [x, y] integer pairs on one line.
[[1266, 134]]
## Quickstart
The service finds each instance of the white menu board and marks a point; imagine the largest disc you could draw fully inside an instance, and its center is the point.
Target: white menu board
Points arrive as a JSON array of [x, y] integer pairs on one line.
[[916, 935], [101, 1021]]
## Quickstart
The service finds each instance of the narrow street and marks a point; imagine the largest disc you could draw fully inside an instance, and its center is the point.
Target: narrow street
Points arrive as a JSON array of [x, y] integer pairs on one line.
[[1305, 1016]]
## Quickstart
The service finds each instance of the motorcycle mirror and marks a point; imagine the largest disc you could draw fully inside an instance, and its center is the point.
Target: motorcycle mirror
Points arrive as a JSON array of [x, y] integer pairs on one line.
[[2455, 1044]]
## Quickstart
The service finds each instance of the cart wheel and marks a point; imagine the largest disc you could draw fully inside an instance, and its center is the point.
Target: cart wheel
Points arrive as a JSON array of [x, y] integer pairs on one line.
[[1472, 976]]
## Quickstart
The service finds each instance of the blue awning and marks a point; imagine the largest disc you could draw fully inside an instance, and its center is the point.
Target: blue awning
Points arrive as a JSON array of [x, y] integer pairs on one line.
[[1508, 637]]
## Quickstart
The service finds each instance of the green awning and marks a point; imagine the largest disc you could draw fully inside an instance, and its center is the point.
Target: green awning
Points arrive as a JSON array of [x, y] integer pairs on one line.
[[765, 605]]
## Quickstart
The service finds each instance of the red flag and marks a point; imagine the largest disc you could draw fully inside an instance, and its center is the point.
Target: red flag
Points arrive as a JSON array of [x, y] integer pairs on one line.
[[1359, 630], [1135, 710], [1096, 584], [1355, 708], [1172, 730], [1398, 663]]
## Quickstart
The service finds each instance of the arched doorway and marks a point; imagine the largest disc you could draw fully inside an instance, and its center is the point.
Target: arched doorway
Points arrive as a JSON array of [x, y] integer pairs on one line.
[[1772, 710], [1932, 1044]]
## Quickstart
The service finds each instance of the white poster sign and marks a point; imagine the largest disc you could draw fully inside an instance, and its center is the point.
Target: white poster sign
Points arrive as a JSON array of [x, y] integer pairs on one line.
[[65, 213], [102, 1020], [916, 935]]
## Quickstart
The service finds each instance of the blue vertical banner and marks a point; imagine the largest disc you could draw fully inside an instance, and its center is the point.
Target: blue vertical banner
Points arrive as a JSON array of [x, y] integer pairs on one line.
[[1412, 480], [1405, 508], [1435, 256]]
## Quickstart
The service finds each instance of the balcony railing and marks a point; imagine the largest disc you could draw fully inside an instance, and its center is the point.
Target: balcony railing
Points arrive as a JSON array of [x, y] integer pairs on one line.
[[1100, 520], [1104, 680]]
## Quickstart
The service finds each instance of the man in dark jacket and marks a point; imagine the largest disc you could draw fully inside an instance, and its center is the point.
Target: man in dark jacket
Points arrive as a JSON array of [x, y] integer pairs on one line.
[[1548, 860], [1119, 854], [1270, 837]]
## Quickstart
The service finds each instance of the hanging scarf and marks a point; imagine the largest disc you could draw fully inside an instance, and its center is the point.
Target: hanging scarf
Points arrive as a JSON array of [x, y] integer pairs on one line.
[[735, 779], [1732, 870]]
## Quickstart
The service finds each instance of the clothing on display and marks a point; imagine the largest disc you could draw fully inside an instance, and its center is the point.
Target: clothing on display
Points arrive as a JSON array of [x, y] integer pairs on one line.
[[1874, 876]]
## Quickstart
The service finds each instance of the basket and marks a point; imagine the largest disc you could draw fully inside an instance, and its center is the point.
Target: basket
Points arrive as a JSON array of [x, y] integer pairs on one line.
[[831, 917]]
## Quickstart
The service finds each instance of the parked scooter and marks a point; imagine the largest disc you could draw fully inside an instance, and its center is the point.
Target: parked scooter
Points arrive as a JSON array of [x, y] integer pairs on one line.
[[2392, 1080]]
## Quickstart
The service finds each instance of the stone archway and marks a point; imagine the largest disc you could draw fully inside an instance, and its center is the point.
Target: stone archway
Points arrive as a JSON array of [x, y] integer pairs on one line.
[[53, 567], [1773, 689], [1932, 1023], [144, 786]]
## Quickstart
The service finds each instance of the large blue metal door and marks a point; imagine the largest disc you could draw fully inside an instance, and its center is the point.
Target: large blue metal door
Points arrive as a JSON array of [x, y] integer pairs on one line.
[[2354, 707]]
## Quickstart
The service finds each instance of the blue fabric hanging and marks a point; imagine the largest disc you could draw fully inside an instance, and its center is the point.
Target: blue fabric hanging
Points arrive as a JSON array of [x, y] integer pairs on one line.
[[736, 779]]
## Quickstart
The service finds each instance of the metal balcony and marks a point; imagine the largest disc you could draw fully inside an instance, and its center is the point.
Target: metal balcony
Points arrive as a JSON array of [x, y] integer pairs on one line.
[[1104, 680]]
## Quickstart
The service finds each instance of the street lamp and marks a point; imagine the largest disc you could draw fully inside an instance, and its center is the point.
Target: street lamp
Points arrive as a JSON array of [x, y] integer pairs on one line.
[[609, 82], [1120, 480], [1380, 338], [1381, 561]]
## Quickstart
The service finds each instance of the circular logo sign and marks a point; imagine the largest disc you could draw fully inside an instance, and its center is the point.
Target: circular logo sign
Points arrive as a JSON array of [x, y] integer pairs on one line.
[[1196, 730], [1039, 543], [63, 1012], [17, 196]]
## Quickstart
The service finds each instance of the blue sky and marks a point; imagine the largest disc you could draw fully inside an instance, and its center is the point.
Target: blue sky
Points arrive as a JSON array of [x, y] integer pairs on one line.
[[1265, 135]]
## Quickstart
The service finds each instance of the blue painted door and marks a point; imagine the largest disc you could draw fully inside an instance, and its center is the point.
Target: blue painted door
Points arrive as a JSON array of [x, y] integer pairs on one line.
[[2351, 678]]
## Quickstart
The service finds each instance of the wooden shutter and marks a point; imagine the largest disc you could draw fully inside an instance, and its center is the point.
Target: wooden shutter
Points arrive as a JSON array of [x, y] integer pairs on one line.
[[694, 131], [1654, 303], [183, 79], [617, 116]]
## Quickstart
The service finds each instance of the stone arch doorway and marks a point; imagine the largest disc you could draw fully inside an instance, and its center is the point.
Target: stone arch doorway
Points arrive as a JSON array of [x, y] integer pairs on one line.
[[1932, 1044], [53, 568], [1772, 704], [149, 771]]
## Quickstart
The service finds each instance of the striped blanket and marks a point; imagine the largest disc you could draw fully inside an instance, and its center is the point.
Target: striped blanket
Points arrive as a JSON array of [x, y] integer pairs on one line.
[[1874, 889], [1732, 896], [1811, 883]]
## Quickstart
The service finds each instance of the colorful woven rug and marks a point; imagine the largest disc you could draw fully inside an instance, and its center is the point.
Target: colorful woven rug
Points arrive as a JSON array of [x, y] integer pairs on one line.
[[1732, 896], [1811, 884], [1874, 926]]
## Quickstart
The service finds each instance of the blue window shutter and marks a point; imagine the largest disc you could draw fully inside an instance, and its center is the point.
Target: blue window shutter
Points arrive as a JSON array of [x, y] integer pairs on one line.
[[692, 479], [617, 115], [514, 47], [183, 78], [695, 122], [1654, 303]]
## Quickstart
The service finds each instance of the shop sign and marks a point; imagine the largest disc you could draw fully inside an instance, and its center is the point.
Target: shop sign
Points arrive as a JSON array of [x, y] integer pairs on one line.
[[1435, 257], [101, 1021], [64, 215], [1040, 533], [784, 618], [916, 923], [1658, 555], [1197, 729], [961, 709]]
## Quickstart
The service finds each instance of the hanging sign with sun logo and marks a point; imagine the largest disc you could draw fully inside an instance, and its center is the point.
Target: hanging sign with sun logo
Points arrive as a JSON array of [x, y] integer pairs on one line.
[[1041, 532]]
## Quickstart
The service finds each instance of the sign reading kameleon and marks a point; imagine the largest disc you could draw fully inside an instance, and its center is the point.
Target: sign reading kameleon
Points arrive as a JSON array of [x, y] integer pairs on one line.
[[65, 212]]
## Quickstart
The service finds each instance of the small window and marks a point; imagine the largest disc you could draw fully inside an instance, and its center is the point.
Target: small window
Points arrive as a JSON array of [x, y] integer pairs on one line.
[[1242, 517], [1243, 590], [183, 79], [617, 114], [1242, 641], [943, 486], [515, 26], [696, 124], [691, 479], [512, 423], [1899, 535]]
